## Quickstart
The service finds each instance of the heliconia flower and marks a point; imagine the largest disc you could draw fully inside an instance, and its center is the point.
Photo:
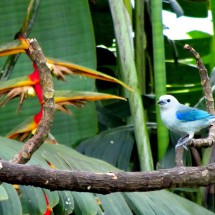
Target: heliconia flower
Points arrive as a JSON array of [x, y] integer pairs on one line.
[[23, 130], [22, 86], [26, 128], [23, 81], [16, 82], [22, 91], [49, 209], [63, 99], [60, 69], [14, 47], [30, 85]]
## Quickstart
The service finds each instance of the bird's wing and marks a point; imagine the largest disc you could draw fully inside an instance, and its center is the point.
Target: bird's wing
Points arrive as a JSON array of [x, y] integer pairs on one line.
[[192, 114]]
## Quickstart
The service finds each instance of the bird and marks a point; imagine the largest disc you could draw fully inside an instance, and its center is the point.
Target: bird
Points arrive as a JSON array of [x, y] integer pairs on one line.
[[183, 120]]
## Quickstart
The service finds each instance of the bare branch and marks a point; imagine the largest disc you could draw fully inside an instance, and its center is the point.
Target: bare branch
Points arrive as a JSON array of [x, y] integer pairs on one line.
[[36, 54], [205, 81], [105, 183]]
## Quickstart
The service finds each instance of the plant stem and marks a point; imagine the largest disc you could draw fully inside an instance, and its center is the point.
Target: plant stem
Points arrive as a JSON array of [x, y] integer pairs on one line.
[[130, 77], [159, 71], [139, 44]]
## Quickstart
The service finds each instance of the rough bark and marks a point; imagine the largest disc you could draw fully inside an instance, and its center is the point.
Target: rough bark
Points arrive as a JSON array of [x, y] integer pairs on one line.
[[35, 53], [105, 183], [205, 81], [208, 95]]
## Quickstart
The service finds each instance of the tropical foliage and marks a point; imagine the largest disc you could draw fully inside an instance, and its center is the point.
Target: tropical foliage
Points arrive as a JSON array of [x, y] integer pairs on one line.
[[110, 134]]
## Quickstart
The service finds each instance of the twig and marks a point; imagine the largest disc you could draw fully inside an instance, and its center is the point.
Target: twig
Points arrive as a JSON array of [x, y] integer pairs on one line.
[[208, 95], [36, 54], [205, 81], [25, 31], [204, 142], [109, 182]]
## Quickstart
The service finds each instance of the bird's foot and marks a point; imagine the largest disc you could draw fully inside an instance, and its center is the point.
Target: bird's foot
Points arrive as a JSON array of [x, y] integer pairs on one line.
[[183, 141]]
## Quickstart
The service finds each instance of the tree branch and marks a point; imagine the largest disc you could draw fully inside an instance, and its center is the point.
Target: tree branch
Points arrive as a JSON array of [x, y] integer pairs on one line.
[[35, 53], [105, 183], [208, 95], [205, 81]]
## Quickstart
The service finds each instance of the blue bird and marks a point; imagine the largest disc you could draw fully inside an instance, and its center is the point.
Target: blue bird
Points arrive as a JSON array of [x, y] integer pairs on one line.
[[182, 119]]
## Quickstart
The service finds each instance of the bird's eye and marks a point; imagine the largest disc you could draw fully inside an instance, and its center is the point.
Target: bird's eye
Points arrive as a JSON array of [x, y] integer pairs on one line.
[[168, 100]]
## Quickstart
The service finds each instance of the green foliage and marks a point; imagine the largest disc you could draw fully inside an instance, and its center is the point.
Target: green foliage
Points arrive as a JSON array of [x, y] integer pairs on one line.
[[112, 131], [114, 146], [31, 199]]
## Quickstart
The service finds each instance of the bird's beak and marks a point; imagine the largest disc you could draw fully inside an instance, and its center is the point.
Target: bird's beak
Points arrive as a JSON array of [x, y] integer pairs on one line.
[[161, 102]]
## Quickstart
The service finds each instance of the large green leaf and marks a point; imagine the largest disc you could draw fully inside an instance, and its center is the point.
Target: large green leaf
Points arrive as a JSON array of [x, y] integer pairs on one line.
[[3, 193], [117, 202], [85, 203], [11, 206], [66, 203], [34, 199], [102, 22], [113, 146], [162, 203], [62, 157]]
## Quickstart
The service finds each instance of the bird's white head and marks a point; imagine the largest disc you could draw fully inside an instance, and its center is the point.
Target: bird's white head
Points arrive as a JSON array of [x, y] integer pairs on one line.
[[167, 102]]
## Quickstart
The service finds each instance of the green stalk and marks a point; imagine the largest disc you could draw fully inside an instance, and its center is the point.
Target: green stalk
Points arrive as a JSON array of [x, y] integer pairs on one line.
[[130, 77], [139, 44], [159, 71], [30, 17], [127, 4], [25, 30], [212, 4]]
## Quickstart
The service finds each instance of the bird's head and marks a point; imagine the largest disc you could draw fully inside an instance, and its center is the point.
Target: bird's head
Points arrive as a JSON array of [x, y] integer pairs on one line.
[[167, 102]]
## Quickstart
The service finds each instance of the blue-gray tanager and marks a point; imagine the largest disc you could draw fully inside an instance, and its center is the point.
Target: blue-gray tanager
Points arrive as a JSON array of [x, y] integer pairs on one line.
[[182, 119]]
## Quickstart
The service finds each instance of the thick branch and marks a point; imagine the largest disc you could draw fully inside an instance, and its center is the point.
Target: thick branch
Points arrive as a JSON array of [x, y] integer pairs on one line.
[[36, 54], [105, 183]]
